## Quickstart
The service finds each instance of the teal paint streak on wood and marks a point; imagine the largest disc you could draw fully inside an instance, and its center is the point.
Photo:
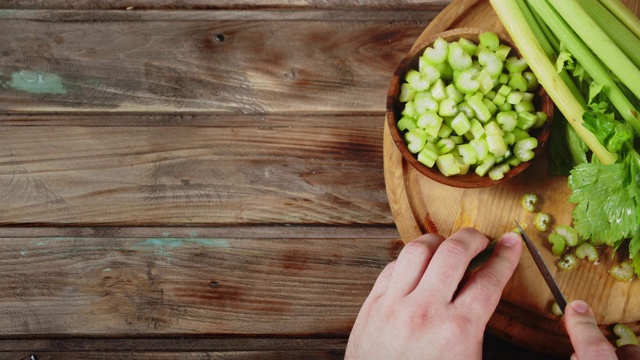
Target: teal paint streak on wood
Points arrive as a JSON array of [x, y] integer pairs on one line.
[[37, 82], [164, 246]]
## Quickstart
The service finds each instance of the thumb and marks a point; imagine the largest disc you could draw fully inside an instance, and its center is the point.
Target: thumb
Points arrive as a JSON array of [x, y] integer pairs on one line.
[[586, 338]]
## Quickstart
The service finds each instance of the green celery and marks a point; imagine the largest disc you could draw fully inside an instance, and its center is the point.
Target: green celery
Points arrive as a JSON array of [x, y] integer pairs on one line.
[[509, 13], [598, 41], [617, 31], [592, 65], [624, 15]]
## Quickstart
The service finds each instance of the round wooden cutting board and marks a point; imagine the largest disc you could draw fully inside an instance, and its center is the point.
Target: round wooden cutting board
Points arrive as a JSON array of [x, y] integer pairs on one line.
[[421, 205]]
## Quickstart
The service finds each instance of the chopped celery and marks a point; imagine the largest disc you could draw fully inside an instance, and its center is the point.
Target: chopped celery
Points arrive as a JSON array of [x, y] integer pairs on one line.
[[493, 109], [428, 154], [490, 62], [622, 271], [458, 58], [415, 139], [445, 145], [529, 201], [523, 148], [466, 82], [489, 40], [542, 221], [569, 234], [626, 336], [410, 109], [497, 172], [438, 53], [477, 130], [468, 154], [453, 93], [430, 122], [406, 124], [518, 82], [460, 124], [508, 120], [525, 106], [450, 104], [486, 165], [542, 119], [445, 131], [514, 97], [587, 250], [568, 262], [558, 243], [430, 73], [526, 120], [482, 112], [447, 165], [532, 80], [469, 46], [555, 309], [509, 138], [423, 101], [406, 93], [480, 147], [485, 81], [416, 81], [503, 52], [504, 90], [448, 107], [520, 134], [516, 65], [499, 99], [467, 110], [438, 91], [496, 144]]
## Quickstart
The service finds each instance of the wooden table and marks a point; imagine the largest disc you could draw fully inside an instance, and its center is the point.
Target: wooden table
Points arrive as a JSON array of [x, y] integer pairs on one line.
[[195, 179]]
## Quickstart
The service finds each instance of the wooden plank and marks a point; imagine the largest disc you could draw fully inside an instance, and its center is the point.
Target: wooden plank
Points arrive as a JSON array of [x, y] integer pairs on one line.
[[172, 284], [186, 355], [192, 175], [101, 61], [212, 5]]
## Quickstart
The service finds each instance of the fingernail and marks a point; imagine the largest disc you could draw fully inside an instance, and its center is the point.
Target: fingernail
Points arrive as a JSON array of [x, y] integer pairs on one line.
[[580, 306], [510, 239]]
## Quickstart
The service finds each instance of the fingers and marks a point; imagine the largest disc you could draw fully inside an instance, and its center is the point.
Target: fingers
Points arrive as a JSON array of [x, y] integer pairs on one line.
[[480, 295], [449, 263], [412, 263], [380, 286], [586, 338]]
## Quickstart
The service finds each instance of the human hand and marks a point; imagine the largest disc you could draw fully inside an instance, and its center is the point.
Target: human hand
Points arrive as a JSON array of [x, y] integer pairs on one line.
[[587, 339], [420, 307]]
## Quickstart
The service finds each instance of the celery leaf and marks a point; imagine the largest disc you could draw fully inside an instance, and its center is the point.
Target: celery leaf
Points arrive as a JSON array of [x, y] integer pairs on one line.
[[606, 198]]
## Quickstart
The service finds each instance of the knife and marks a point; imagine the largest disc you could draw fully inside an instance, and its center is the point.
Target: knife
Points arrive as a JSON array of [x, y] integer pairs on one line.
[[544, 270]]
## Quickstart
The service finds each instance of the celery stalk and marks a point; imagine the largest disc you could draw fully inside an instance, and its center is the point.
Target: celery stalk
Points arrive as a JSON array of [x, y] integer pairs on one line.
[[598, 41], [586, 58], [516, 24], [623, 14], [628, 42]]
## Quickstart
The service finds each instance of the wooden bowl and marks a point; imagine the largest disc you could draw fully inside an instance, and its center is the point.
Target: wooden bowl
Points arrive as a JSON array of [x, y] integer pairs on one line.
[[542, 102]]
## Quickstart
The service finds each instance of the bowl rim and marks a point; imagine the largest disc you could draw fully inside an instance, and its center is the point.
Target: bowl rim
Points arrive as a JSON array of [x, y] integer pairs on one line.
[[471, 179]]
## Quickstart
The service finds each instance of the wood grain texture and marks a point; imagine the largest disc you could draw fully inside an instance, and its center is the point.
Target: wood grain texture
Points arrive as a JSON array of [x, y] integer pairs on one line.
[[421, 205], [237, 64], [193, 175], [209, 5], [187, 281]]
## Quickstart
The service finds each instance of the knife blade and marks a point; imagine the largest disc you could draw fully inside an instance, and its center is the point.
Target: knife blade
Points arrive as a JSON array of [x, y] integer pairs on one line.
[[544, 270]]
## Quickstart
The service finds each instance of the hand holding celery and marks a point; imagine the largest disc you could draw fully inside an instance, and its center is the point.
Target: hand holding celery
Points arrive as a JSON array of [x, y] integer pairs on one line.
[[605, 68], [470, 107]]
